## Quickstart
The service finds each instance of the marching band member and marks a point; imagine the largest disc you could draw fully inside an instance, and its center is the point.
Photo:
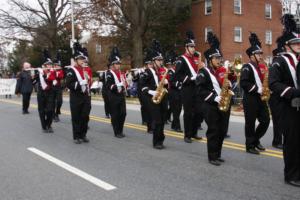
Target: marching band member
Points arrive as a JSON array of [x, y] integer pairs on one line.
[[174, 93], [77, 81], [45, 94], [150, 81], [57, 87], [116, 93], [208, 90], [185, 74], [254, 107], [275, 102], [284, 81]]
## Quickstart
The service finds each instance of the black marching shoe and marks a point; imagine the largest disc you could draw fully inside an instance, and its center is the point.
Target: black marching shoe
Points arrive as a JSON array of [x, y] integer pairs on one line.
[[196, 137], [252, 151], [220, 160], [215, 162], [77, 141], [158, 146], [85, 140], [260, 147], [119, 135], [227, 136], [278, 146], [293, 183], [50, 130], [45, 130], [187, 140], [56, 118]]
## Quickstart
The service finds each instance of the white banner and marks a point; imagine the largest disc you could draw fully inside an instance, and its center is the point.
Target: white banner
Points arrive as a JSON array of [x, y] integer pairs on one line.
[[8, 86]]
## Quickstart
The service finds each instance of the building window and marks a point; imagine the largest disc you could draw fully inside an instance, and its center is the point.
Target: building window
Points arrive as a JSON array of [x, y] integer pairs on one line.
[[207, 30], [98, 48], [237, 34], [269, 37], [268, 11], [208, 7], [238, 7]]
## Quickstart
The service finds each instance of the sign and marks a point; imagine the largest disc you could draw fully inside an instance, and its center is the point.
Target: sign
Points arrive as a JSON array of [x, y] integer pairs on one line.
[[8, 86]]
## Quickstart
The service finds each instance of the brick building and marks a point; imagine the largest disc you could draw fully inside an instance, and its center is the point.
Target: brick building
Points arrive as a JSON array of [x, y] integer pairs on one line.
[[232, 21]]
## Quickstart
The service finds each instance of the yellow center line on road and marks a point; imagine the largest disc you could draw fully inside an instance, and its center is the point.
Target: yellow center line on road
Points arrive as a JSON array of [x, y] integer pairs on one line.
[[227, 144]]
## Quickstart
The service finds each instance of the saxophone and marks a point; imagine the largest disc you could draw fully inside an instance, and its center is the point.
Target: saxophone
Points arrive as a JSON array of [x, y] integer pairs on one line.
[[225, 94], [265, 95], [161, 91]]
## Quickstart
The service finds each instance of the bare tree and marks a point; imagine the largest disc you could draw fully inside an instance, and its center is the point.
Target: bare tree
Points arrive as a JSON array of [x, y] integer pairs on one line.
[[42, 19], [134, 20]]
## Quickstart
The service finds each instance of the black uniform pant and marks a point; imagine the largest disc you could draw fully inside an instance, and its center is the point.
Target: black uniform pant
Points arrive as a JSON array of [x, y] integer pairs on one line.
[[25, 101], [143, 108], [58, 100], [291, 143], [145, 100], [175, 107], [157, 113], [276, 111], [46, 107], [255, 108], [106, 102], [190, 121], [216, 129], [80, 105], [117, 111]]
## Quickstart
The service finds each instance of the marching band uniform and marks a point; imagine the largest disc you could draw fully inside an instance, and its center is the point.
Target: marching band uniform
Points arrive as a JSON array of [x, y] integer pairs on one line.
[[45, 94], [275, 105], [174, 93], [208, 90], [185, 74], [254, 108], [284, 81], [58, 89], [149, 83], [116, 94], [77, 81]]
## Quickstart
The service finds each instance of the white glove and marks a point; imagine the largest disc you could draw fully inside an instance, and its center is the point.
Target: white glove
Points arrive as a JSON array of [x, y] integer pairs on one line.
[[41, 71], [83, 82], [166, 82], [217, 99], [55, 82], [259, 90], [119, 84], [193, 78], [152, 92]]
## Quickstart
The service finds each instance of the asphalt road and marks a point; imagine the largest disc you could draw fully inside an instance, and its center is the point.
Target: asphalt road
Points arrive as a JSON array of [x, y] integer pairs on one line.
[[134, 169]]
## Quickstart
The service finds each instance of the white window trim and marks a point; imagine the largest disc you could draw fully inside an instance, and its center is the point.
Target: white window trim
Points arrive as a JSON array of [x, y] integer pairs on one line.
[[205, 6], [270, 6], [240, 12], [270, 34], [241, 34], [207, 29]]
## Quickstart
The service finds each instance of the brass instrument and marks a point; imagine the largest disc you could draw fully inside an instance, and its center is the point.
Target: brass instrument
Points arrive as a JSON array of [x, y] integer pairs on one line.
[[226, 94], [42, 68], [236, 66], [160, 90], [265, 95]]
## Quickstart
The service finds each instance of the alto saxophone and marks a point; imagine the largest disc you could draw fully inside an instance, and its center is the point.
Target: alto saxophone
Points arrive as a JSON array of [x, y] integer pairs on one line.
[[225, 94], [265, 95], [161, 91]]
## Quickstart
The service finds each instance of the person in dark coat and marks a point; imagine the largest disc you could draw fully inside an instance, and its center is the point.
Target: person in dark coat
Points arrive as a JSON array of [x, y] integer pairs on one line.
[[24, 87], [284, 82]]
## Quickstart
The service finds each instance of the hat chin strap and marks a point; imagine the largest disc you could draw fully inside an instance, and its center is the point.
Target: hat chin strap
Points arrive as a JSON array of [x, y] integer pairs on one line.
[[293, 51]]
